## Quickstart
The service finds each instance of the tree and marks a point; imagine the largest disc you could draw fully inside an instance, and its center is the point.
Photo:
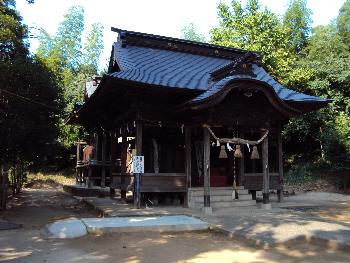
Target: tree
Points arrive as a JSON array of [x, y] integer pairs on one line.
[[190, 32], [343, 22], [12, 32], [29, 95], [327, 61], [74, 63], [297, 21], [64, 50], [93, 47], [253, 28], [317, 64]]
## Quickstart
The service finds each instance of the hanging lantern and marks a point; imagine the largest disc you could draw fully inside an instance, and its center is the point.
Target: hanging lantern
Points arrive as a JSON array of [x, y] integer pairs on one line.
[[255, 153], [223, 154], [238, 152]]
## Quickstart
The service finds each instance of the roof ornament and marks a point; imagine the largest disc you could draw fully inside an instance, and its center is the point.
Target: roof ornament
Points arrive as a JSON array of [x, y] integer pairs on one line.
[[242, 65]]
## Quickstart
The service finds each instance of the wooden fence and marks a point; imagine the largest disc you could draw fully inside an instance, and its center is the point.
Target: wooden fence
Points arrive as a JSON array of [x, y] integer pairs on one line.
[[11, 182]]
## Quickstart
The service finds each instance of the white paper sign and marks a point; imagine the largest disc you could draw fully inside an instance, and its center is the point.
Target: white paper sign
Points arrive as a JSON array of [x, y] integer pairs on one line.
[[138, 164]]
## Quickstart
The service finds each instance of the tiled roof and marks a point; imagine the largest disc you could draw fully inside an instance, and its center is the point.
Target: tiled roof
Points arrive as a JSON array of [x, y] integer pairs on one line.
[[185, 70], [260, 75], [165, 67]]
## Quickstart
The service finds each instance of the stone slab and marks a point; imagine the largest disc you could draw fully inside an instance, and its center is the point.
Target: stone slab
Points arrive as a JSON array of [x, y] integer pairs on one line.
[[136, 224], [6, 225], [80, 190], [68, 228]]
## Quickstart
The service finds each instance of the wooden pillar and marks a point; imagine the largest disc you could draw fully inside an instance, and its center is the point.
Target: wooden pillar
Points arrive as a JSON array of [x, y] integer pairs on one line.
[[137, 185], [155, 156], [112, 164], [123, 160], [188, 160], [96, 148], [89, 176], [206, 168], [280, 165], [3, 186], [103, 153], [265, 168], [241, 167], [77, 170]]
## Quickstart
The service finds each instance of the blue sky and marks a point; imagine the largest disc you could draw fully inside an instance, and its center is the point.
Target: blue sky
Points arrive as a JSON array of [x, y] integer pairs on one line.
[[162, 17]]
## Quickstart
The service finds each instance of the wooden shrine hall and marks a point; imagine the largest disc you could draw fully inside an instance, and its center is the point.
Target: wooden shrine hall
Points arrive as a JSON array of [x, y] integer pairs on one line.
[[204, 117]]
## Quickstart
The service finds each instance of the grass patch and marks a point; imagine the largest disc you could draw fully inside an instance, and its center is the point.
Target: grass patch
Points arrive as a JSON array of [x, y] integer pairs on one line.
[[41, 180]]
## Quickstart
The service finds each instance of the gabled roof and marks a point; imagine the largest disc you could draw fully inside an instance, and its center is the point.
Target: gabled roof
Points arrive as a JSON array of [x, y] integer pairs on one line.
[[182, 64], [197, 74]]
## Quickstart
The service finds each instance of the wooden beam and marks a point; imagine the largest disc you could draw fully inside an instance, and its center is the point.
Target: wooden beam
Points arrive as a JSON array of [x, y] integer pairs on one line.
[[188, 159], [265, 168], [206, 166], [280, 165]]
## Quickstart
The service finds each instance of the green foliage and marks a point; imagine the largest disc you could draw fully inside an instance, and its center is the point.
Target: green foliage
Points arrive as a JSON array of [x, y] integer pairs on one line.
[[93, 47], [343, 22], [316, 62], [252, 28], [12, 32], [190, 32], [327, 60], [64, 49], [301, 173], [29, 96], [74, 63], [297, 21]]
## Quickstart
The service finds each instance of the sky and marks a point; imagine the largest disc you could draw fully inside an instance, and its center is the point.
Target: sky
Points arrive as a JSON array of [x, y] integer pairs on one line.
[[161, 17]]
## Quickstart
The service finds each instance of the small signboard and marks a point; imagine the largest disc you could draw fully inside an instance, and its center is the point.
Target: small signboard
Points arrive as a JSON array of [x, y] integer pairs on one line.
[[138, 164]]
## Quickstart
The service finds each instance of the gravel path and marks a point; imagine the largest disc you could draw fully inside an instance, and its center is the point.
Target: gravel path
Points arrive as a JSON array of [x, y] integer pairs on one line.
[[36, 208]]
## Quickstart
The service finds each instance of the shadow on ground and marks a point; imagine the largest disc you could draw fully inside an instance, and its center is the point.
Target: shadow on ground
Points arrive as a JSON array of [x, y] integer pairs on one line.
[[35, 208]]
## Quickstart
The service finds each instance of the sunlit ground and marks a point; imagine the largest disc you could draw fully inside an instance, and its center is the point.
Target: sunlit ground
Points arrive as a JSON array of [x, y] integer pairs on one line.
[[35, 208]]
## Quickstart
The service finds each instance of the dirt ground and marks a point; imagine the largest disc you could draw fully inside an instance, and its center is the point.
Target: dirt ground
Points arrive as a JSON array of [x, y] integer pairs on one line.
[[35, 208]]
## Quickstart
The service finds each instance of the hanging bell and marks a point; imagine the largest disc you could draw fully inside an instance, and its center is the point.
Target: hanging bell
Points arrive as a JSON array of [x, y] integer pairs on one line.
[[223, 154], [238, 152], [255, 153]]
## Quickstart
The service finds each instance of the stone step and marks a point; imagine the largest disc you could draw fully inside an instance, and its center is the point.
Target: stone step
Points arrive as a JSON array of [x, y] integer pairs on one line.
[[243, 203], [244, 197], [211, 188], [236, 203], [222, 192], [215, 205], [242, 192], [213, 198], [212, 193]]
